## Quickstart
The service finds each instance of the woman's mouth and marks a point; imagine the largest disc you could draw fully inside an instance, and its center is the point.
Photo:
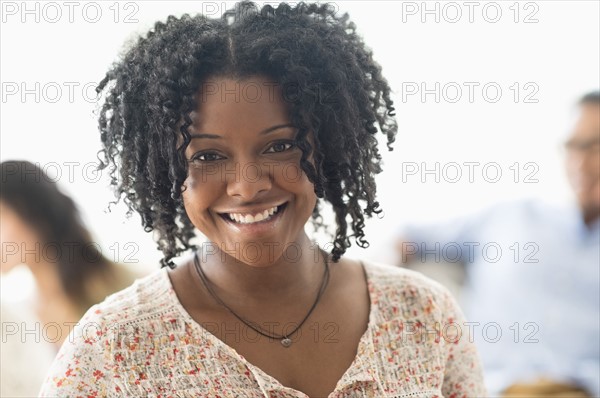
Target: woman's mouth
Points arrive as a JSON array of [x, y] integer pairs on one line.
[[264, 216]]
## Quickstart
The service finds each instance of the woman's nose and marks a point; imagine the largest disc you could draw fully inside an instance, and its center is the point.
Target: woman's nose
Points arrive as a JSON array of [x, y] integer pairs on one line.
[[247, 180]]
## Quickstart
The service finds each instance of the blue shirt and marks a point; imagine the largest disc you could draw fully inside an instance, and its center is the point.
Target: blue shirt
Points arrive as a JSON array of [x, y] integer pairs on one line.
[[532, 290]]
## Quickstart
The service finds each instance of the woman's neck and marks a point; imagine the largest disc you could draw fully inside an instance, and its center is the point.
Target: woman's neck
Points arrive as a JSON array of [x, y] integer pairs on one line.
[[289, 275]]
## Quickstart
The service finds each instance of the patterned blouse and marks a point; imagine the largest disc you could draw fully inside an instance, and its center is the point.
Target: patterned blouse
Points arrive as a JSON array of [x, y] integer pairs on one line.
[[141, 342]]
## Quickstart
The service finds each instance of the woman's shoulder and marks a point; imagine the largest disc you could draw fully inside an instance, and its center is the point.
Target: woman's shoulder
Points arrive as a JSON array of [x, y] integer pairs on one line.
[[146, 297], [399, 279], [400, 291], [120, 322]]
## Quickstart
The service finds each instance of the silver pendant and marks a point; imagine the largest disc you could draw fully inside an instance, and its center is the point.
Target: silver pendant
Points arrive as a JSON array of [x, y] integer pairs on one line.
[[286, 342]]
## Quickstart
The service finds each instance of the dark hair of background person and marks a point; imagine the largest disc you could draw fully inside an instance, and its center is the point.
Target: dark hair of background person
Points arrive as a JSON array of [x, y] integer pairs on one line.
[[54, 217], [328, 76], [592, 97]]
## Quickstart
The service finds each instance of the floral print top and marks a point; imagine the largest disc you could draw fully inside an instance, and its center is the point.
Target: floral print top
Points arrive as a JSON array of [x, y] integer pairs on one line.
[[141, 342]]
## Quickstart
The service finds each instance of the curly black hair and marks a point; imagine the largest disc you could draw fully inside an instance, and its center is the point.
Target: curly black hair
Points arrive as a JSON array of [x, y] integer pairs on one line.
[[340, 96]]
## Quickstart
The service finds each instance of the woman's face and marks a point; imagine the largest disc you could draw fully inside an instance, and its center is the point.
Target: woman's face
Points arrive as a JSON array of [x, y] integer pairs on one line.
[[246, 191]]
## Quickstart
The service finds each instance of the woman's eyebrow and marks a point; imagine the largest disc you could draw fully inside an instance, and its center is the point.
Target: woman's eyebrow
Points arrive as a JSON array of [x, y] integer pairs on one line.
[[279, 126], [265, 131], [212, 136]]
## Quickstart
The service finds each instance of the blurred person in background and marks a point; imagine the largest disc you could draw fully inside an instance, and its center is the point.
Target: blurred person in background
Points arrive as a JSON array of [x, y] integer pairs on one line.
[[532, 280], [41, 228]]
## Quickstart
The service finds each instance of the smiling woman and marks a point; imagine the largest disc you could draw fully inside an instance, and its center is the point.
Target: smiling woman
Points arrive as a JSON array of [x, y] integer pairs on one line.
[[240, 127]]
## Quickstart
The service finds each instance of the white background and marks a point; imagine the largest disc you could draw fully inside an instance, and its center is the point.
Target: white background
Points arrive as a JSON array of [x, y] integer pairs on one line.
[[558, 56]]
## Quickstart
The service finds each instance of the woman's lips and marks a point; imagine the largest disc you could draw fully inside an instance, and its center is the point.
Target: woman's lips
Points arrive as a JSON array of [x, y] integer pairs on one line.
[[246, 222], [252, 217]]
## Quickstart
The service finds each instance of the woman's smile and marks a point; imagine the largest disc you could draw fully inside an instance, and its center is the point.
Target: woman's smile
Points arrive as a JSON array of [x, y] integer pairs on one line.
[[253, 221]]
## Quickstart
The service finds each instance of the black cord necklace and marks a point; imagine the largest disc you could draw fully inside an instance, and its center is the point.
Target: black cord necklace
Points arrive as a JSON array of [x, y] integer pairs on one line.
[[285, 339]]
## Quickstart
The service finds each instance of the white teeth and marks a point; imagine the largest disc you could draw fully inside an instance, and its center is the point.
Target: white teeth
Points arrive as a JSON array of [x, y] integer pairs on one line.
[[249, 218]]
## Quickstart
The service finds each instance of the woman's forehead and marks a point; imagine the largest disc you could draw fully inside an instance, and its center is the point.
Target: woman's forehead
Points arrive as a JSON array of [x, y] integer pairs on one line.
[[250, 89], [231, 101]]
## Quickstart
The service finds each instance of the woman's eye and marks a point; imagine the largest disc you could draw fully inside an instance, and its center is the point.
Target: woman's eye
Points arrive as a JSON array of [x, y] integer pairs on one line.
[[206, 157], [280, 147]]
